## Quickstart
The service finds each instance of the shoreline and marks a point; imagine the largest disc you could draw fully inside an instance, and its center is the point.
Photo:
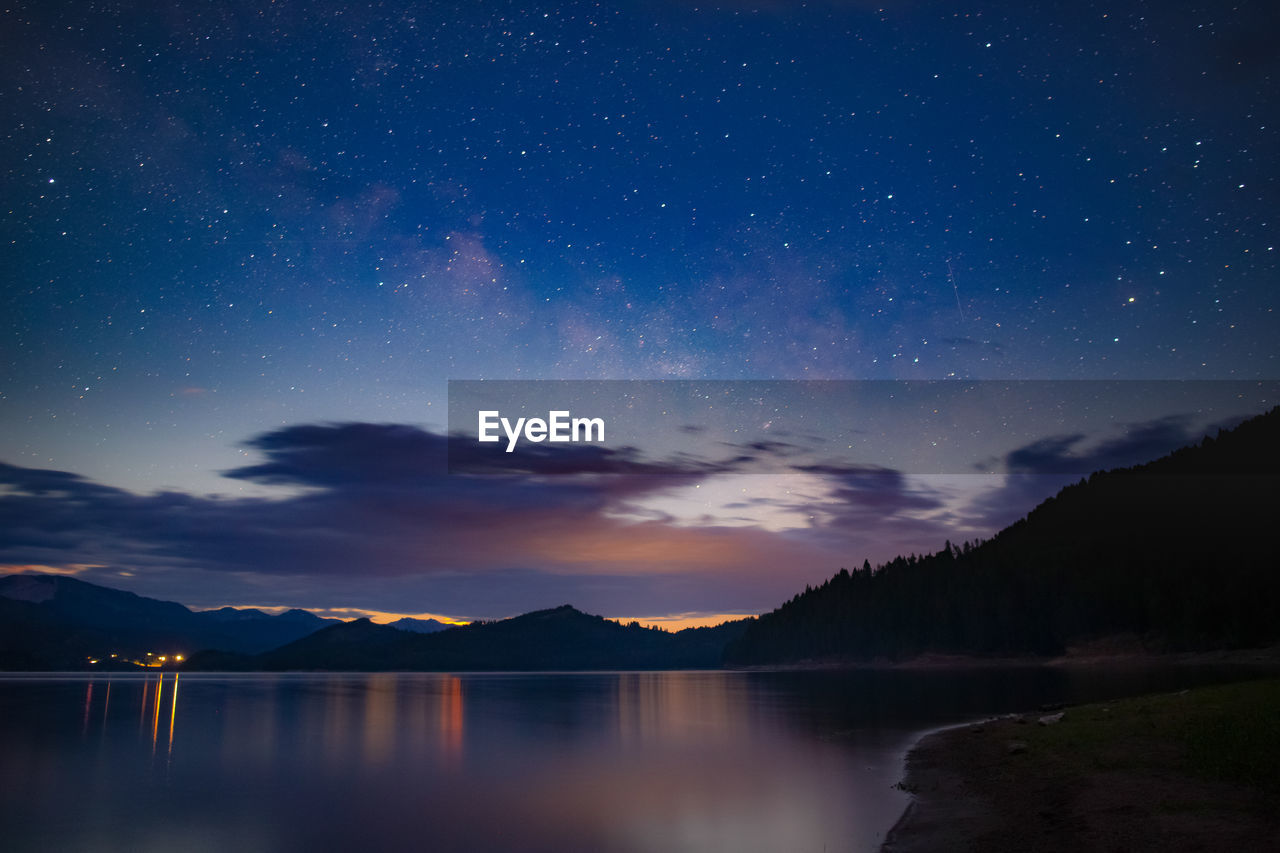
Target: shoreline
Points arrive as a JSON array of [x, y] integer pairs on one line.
[[1131, 774], [1103, 655], [939, 803], [1267, 656]]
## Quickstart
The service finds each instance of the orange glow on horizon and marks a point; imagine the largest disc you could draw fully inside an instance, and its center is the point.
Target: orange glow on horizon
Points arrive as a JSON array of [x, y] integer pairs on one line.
[[669, 621], [39, 569], [382, 617], [680, 621], [348, 614]]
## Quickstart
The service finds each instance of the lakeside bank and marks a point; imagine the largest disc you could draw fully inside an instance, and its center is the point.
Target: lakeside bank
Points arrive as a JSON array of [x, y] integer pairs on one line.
[[1193, 770]]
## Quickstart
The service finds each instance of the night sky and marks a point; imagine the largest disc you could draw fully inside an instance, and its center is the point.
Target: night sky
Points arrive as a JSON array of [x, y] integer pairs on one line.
[[244, 247]]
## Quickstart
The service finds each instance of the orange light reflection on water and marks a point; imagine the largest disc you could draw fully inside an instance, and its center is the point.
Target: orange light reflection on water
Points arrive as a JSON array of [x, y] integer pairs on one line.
[[173, 711], [451, 719], [142, 715], [106, 705], [380, 717], [88, 700], [155, 715]]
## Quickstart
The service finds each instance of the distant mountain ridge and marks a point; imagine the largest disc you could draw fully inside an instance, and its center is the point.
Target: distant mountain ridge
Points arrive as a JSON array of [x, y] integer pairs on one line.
[[560, 638], [59, 622], [1176, 554], [52, 622], [251, 614], [419, 626]]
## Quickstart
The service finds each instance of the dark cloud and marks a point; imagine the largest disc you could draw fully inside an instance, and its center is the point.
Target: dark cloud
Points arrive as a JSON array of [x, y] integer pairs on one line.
[[467, 456], [866, 511], [346, 455], [764, 449], [996, 508], [885, 491], [1140, 442], [1039, 469]]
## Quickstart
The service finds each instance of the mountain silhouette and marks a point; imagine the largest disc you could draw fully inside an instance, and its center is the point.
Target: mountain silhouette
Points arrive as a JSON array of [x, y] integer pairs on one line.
[[419, 626], [59, 622]]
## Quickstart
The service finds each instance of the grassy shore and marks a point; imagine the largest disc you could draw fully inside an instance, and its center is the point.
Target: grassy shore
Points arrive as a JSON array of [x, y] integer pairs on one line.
[[1194, 770]]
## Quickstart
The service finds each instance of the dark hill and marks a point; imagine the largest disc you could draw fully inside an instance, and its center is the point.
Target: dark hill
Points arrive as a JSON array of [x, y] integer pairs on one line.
[[419, 626], [1176, 552]]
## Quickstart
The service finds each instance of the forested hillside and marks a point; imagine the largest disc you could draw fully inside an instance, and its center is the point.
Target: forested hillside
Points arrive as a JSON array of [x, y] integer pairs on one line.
[[1181, 552]]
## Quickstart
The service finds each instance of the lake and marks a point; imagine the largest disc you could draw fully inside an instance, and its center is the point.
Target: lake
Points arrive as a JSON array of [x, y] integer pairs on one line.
[[630, 761]]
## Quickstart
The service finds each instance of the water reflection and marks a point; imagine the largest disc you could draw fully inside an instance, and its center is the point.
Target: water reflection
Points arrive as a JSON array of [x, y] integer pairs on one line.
[[358, 720], [106, 706], [173, 711], [155, 714], [613, 761], [451, 720], [142, 713], [88, 703], [653, 707], [155, 709]]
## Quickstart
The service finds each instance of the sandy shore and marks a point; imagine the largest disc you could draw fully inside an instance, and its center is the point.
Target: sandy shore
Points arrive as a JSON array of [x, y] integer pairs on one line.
[[944, 809], [1104, 778]]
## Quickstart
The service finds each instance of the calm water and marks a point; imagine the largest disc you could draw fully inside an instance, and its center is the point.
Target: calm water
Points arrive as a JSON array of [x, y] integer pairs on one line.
[[670, 761]]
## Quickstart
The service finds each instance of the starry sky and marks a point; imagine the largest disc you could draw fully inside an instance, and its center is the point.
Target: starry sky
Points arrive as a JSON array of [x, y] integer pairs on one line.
[[244, 247]]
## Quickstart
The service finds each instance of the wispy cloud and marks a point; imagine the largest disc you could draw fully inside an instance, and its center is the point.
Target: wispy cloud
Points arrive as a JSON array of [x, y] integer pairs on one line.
[[1137, 442]]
